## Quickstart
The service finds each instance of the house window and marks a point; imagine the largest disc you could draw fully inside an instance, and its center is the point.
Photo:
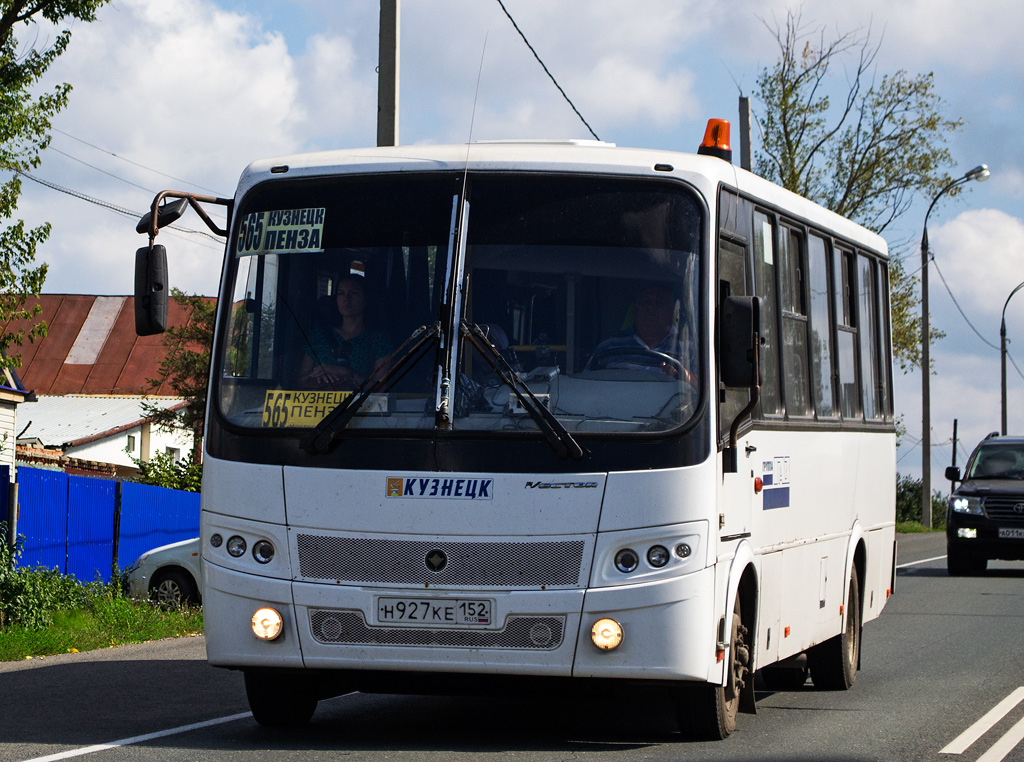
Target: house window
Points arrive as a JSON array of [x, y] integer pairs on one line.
[[131, 443], [175, 453]]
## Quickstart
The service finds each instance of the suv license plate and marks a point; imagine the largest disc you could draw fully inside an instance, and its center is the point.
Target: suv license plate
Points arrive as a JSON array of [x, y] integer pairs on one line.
[[1012, 533], [437, 612]]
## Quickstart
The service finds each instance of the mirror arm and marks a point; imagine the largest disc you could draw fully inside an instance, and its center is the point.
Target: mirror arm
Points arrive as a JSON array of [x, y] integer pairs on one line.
[[194, 200]]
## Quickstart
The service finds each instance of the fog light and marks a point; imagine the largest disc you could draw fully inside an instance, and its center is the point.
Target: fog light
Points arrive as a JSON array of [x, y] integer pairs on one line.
[[626, 560], [263, 552], [683, 550], [967, 533], [267, 624], [657, 556], [606, 634], [236, 546], [216, 540]]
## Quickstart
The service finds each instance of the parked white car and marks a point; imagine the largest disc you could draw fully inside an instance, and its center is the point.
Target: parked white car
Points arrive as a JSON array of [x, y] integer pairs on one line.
[[168, 574]]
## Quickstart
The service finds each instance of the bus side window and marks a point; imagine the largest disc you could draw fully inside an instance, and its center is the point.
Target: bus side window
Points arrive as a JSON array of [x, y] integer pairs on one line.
[[846, 335], [732, 281], [818, 250], [765, 287], [793, 309]]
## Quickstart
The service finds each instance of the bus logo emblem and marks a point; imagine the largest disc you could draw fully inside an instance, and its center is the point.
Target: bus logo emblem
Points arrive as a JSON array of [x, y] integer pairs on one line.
[[437, 560], [394, 488]]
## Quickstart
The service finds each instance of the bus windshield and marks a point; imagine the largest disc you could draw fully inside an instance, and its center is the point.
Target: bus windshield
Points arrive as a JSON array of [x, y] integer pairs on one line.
[[586, 289]]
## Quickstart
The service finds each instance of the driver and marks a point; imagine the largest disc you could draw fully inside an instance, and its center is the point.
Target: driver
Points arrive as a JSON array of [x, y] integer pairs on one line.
[[652, 331]]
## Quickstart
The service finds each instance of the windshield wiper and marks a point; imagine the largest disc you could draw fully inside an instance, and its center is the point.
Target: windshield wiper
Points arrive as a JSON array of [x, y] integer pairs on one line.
[[330, 428], [556, 434]]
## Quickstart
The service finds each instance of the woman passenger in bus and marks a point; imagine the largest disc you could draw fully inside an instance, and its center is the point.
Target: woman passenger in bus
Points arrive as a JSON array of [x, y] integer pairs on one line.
[[653, 343], [343, 350]]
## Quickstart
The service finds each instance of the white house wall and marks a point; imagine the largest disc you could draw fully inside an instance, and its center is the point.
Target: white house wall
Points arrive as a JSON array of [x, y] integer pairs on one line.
[[112, 449]]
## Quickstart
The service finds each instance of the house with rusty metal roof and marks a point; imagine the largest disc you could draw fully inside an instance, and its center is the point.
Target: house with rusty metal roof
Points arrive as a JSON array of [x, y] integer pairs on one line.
[[91, 375]]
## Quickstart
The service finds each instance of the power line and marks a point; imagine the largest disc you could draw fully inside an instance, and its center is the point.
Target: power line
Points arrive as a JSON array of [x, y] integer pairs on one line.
[[545, 68], [959, 308], [112, 207], [134, 163], [103, 171]]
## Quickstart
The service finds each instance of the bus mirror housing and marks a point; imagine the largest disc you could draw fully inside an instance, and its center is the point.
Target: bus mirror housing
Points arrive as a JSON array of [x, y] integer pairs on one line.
[[739, 350], [740, 332], [165, 215], [150, 290]]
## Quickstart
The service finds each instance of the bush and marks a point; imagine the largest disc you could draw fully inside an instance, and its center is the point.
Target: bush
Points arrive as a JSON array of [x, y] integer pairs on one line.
[[908, 503], [163, 471], [29, 597]]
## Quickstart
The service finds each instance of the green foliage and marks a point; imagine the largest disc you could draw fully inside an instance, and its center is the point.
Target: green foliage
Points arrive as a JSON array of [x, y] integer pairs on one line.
[[29, 597], [162, 471], [25, 117], [908, 503], [186, 364], [865, 155]]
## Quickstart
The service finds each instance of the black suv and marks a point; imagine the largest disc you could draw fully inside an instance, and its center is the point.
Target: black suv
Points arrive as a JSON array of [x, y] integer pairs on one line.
[[985, 517]]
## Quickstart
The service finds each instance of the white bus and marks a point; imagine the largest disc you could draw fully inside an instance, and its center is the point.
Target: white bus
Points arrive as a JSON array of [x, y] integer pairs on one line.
[[486, 416]]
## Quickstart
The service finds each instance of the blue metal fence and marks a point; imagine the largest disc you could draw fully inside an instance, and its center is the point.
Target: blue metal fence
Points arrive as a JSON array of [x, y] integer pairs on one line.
[[81, 525]]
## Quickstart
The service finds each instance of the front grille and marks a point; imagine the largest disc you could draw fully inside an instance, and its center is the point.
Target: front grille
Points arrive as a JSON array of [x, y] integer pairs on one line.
[[532, 633], [1001, 507], [479, 564]]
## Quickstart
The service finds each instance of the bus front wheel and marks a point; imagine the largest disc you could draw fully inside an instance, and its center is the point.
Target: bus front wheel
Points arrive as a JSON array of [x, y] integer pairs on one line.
[[708, 712], [280, 700], [834, 663]]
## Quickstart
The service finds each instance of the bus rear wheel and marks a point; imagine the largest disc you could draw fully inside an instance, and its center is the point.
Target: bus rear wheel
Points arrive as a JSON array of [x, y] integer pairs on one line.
[[280, 700], [834, 663], [708, 712]]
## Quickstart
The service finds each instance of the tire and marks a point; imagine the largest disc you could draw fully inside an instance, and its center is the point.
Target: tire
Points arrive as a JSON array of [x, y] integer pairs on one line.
[[173, 587], [708, 712], [280, 700], [960, 563], [833, 664], [784, 678]]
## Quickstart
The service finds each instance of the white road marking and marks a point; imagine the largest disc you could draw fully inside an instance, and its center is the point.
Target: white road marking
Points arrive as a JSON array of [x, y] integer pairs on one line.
[[917, 563], [1004, 745], [138, 739], [960, 744]]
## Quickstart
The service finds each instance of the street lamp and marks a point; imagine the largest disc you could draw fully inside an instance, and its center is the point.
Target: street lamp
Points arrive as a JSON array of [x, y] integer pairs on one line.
[[1002, 355], [979, 173]]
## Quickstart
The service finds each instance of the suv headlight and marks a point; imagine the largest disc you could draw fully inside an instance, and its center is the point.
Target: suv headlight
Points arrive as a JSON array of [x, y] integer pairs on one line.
[[966, 504]]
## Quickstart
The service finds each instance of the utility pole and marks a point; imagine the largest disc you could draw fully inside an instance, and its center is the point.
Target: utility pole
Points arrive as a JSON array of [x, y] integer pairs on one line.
[[387, 73], [745, 141]]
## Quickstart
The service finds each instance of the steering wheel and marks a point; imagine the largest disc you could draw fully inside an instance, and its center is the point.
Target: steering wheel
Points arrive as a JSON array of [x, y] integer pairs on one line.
[[666, 363]]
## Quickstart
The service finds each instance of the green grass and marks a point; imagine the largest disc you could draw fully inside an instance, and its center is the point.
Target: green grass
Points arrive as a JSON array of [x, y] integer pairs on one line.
[[104, 621], [44, 612], [916, 527]]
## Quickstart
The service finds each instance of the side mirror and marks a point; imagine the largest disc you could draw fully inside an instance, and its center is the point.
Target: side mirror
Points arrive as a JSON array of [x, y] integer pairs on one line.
[[150, 290], [953, 474], [740, 325], [165, 215]]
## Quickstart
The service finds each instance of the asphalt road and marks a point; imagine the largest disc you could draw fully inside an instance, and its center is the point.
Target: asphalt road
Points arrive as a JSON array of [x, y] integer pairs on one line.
[[944, 653]]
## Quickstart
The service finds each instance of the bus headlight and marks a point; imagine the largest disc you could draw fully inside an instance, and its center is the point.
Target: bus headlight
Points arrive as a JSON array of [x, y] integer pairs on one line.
[[657, 556], [626, 560], [267, 623], [236, 546], [263, 552], [606, 634]]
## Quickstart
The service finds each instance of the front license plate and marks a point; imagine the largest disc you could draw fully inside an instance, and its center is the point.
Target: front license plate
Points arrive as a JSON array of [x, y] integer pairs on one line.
[[1011, 533], [436, 612]]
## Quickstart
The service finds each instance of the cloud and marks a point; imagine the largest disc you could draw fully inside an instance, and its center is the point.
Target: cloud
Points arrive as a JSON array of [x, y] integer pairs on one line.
[[981, 254]]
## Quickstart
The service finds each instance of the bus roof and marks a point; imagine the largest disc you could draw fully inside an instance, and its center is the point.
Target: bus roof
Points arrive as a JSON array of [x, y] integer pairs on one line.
[[583, 156]]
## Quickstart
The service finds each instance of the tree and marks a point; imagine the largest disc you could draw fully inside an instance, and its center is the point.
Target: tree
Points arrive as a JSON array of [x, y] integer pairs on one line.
[[186, 366], [867, 156], [24, 133]]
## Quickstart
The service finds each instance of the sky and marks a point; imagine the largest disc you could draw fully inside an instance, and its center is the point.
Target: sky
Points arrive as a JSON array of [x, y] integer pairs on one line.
[[184, 95]]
